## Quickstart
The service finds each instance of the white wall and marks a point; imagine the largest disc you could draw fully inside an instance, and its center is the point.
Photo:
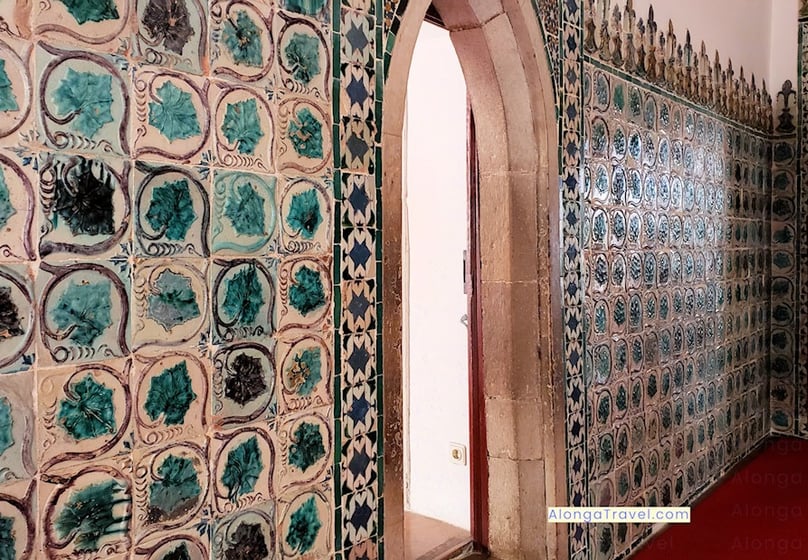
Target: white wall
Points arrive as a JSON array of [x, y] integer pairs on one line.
[[436, 230], [760, 35], [783, 62]]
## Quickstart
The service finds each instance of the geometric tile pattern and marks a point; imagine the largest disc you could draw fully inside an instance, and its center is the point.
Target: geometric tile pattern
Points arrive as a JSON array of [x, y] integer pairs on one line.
[[675, 240], [802, 237], [187, 189], [786, 232]]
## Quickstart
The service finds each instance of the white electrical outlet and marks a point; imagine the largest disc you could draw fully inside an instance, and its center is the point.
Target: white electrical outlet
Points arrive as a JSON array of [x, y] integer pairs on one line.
[[458, 453]]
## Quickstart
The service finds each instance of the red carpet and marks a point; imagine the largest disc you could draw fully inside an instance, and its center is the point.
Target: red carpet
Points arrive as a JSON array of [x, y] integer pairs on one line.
[[759, 513]]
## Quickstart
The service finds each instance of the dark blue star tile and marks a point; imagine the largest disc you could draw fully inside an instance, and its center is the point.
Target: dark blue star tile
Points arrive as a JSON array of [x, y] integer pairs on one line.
[[359, 357], [359, 465], [359, 516], [359, 409], [359, 300]]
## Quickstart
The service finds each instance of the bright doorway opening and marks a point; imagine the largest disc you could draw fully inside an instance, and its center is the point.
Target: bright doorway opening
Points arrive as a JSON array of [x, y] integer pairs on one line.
[[437, 252]]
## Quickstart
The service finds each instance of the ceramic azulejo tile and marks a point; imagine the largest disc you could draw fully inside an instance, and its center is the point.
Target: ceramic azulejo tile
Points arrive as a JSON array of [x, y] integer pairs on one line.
[[359, 409], [242, 467], [172, 211], [305, 207], [170, 299], [244, 128], [357, 92], [86, 413], [171, 398], [70, 523], [251, 531], [357, 145], [304, 57], [187, 545], [84, 101], [359, 193], [359, 465], [172, 33], [17, 208], [359, 306], [85, 206], [358, 38], [359, 246], [244, 384], [17, 433], [171, 485], [304, 369], [18, 502], [244, 213], [358, 351], [83, 312], [18, 323], [103, 25], [317, 10], [304, 286], [241, 41], [303, 136], [305, 442], [243, 294], [172, 117], [305, 524], [360, 515], [16, 103]]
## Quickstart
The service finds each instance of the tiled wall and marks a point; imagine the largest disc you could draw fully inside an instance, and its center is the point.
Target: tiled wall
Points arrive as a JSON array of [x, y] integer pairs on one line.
[[665, 161], [187, 264], [676, 257], [787, 397]]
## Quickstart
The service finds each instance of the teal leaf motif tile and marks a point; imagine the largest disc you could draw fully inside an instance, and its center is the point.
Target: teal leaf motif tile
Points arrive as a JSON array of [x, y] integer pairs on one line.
[[303, 57], [305, 7], [174, 114], [307, 448], [171, 210], [82, 312], [306, 134], [245, 210], [173, 301], [6, 426], [243, 469], [244, 213], [7, 538], [242, 126], [304, 526], [85, 98], [176, 489], [243, 296], [304, 213], [170, 395], [243, 39], [88, 411], [8, 101], [91, 10], [307, 294], [306, 371], [7, 210], [90, 515]]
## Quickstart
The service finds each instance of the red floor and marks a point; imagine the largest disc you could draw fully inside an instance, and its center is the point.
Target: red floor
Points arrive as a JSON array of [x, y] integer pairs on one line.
[[759, 513]]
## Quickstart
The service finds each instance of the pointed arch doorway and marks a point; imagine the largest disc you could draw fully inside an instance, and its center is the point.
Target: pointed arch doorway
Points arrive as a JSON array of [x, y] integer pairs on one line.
[[517, 427]]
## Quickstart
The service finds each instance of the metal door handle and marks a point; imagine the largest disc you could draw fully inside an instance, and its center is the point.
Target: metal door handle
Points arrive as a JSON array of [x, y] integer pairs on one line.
[[465, 320]]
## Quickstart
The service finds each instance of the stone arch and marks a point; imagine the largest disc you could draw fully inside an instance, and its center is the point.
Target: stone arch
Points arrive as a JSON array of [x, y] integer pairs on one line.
[[501, 50]]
